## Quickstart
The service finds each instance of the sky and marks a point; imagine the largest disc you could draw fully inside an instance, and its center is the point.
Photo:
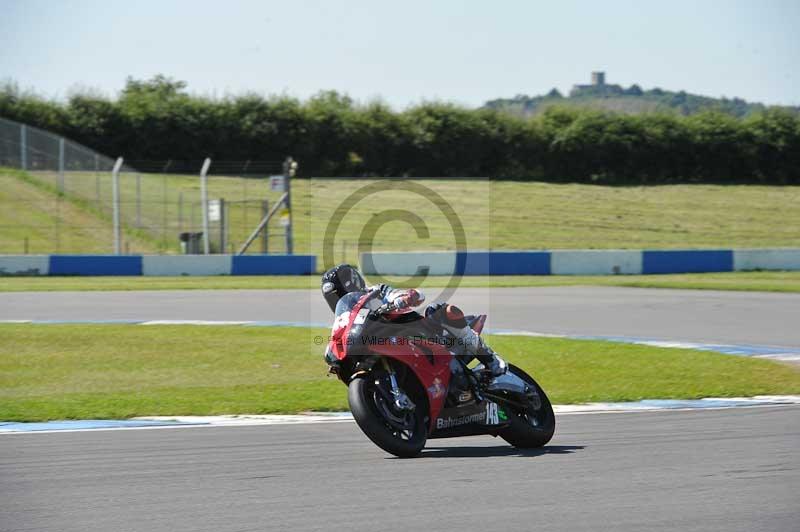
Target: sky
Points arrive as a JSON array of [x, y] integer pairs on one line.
[[404, 52]]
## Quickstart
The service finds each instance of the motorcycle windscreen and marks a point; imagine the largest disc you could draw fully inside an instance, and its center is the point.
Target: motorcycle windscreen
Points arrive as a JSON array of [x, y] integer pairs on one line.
[[351, 316]]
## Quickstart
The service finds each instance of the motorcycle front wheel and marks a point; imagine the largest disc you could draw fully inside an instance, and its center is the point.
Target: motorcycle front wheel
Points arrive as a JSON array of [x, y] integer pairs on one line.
[[533, 426], [401, 433]]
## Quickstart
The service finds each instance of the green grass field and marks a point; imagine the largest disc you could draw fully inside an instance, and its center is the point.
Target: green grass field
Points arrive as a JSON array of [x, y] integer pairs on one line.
[[495, 215], [118, 371], [51, 223], [750, 281]]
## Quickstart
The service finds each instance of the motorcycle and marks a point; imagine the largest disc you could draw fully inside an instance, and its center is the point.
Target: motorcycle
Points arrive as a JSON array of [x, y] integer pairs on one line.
[[407, 382]]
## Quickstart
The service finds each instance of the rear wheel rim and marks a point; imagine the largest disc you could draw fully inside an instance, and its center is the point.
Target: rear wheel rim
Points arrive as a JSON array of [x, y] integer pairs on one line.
[[533, 419], [536, 418]]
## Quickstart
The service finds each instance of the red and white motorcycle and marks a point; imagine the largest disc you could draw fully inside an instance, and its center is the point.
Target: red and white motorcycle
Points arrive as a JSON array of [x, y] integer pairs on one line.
[[405, 385]]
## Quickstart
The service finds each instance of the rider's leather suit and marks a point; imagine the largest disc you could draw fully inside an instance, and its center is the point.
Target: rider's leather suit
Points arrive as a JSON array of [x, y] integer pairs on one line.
[[446, 317]]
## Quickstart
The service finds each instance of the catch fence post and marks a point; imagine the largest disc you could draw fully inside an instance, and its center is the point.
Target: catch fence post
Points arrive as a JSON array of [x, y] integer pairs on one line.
[[138, 200], [180, 212], [204, 202], [223, 226], [23, 147], [265, 233], [289, 170], [115, 194], [97, 179], [164, 206], [61, 164]]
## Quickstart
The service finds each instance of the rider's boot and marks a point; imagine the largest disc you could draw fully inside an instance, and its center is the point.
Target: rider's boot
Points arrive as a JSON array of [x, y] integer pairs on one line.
[[493, 365]]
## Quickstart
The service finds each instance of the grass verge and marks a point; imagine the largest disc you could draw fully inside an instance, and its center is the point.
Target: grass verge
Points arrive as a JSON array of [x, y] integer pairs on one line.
[[750, 281], [57, 222], [119, 371], [494, 214]]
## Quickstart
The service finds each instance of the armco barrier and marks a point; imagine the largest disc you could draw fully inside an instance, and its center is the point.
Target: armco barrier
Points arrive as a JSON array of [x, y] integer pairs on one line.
[[24, 264], [558, 262], [579, 262], [166, 265], [766, 259], [404, 263], [595, 262]]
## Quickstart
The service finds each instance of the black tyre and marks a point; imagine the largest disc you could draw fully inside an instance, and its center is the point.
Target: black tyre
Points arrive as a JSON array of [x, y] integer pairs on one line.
[[532, 427], [399, 433]]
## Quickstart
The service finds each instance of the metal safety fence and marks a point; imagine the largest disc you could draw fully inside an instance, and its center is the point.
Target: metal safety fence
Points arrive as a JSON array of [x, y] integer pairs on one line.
[[57, 196]]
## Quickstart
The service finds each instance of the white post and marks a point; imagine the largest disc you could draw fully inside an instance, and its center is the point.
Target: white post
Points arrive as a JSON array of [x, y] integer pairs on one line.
[[204, 203], [23, 147], [97, 178], [61, 164], [139, 200], [115, 194], [289, 170]]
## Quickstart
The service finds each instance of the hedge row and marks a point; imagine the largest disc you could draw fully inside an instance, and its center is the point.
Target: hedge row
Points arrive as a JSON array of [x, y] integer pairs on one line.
[[332, 136]]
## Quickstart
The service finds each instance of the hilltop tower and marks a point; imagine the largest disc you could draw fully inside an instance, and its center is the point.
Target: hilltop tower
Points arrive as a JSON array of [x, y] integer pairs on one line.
[[598, 79]]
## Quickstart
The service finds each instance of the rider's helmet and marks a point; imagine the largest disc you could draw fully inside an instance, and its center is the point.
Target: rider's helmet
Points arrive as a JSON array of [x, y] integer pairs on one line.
[[340, 281]]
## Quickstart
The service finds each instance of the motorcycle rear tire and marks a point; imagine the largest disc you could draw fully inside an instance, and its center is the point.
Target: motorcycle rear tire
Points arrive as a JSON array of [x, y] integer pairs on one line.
[[521, 433], [370, 422]]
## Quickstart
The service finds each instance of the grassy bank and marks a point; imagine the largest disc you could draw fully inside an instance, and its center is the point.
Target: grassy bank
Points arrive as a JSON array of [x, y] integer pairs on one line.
[[118, 371], [494, 215], [751, 281], [36, 219]]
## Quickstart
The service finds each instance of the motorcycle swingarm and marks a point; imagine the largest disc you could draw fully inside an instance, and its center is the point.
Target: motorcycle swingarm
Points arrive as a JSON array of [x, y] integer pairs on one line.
[[506, 400], [510, 390]]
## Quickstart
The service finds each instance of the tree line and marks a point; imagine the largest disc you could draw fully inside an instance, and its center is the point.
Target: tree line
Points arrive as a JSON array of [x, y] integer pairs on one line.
[[331, 135]]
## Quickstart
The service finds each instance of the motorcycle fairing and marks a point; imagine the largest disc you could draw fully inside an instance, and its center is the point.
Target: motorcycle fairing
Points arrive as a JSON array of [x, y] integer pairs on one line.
[[484, 417], [431, 366]]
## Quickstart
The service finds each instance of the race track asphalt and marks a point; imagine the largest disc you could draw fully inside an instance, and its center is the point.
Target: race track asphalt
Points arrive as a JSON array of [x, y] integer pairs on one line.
[[731, 470], [680, 315]]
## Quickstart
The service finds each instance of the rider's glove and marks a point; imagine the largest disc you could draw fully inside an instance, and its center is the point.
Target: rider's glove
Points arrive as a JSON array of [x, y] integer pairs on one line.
[[411, 298]]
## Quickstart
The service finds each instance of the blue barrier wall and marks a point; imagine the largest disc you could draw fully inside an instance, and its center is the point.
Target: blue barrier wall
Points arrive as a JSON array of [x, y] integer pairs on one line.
[[274, 265], [580, 262], [95, 265], [503, 263], [566, 262], [168, 265], [687, 261]]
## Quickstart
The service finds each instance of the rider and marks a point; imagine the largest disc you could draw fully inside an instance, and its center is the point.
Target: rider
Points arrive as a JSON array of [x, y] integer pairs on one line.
[[343, 279]]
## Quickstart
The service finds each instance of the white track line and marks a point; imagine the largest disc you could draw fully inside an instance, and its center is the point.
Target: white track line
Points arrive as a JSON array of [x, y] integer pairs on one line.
[[345, 417]]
